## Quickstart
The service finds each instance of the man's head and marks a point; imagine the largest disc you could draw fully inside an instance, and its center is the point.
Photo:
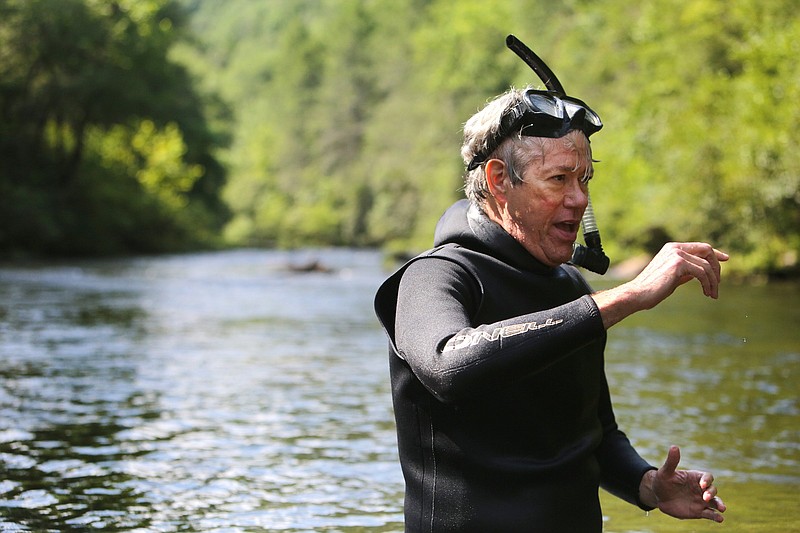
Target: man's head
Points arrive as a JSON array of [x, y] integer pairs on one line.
[[534, 186], [519, 114]]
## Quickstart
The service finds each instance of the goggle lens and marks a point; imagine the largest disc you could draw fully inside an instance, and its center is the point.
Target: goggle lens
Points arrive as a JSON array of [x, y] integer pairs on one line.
[[561, 108], [573, 107], [547, 105]]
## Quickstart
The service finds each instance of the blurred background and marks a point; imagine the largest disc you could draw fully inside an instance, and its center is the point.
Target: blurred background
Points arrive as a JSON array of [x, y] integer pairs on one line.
[[152, 125], [199, 198]]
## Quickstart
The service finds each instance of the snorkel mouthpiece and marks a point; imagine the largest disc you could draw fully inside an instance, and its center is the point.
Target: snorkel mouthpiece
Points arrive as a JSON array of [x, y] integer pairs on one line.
[[591, 256]]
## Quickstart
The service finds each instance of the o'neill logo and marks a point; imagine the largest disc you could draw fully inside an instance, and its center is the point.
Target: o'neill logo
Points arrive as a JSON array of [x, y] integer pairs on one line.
[[471, 339]]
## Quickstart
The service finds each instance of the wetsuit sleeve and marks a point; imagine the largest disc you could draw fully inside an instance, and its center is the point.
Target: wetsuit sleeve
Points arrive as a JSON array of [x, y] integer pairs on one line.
[[454, 358], [621, 466]]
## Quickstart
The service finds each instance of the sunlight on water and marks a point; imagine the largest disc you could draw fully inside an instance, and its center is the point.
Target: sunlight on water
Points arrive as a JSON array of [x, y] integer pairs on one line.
[[227, 392], [681, 375]]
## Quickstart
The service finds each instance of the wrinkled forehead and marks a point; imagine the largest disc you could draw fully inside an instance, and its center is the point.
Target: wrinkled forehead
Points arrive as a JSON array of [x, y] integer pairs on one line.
[[573, 149]]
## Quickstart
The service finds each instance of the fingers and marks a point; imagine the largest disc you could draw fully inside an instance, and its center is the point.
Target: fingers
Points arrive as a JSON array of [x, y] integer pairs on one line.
[[710, 493], [713, 510], [706, 480], [714, 505], [712, 514], [704, 250], [671, 463], [718, 504], [702, 261], [699, 268]]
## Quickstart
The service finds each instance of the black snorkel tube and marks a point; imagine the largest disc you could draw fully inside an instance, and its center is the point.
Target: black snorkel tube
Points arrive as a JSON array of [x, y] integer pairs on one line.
[[590, 256]]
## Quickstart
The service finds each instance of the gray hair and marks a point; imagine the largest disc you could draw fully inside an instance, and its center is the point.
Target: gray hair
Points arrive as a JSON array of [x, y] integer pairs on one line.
[[517, 151]]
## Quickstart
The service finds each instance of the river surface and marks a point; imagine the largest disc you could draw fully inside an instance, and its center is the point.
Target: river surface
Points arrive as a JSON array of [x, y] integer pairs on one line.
[[227, 392]]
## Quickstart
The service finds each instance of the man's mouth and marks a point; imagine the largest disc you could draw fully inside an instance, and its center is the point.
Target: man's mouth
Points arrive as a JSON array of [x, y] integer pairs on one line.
[[569, 228]]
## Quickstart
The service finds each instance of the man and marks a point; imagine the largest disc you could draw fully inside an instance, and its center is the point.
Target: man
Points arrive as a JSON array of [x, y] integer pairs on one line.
[[503, 412]]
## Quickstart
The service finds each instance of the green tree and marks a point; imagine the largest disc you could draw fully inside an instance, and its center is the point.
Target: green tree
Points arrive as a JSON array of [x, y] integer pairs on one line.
[[348, 114], [73, 70], [699, 124]]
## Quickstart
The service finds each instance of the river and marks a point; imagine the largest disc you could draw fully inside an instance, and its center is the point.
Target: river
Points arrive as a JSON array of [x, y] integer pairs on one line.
[[228, 392]]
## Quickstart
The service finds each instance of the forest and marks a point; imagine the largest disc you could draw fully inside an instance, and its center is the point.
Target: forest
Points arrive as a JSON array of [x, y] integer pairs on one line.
[[152, 126]]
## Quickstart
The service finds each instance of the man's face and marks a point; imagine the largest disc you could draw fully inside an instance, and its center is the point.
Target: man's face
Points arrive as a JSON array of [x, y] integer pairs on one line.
[[545, 210]]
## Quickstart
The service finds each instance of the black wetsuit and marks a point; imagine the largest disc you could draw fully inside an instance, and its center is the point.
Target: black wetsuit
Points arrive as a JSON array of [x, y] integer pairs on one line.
[[503, 413]]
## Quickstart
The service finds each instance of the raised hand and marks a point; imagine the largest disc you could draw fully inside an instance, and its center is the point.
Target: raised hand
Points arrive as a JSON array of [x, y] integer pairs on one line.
[[674, 265]]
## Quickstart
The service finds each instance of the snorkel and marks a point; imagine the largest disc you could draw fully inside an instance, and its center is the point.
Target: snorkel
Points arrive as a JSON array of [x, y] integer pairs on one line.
[[589, 256]]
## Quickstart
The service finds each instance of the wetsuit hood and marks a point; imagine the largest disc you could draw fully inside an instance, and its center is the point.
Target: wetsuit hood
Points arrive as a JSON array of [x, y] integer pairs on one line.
[[465, 224]]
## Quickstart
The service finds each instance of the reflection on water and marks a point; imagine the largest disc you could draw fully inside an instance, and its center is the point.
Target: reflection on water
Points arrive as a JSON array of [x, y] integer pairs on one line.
[[225, 392], [731, 369], [204, 392]]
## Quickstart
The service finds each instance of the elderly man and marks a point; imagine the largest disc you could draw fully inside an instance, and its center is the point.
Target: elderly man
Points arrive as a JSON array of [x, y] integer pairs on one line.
[[503, 412]]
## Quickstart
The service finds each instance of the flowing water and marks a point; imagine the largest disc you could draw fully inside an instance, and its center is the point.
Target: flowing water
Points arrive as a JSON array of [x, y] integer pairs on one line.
[[229, 392]]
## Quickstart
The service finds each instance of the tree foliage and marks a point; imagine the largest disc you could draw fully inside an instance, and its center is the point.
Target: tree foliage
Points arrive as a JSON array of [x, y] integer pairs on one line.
[[350, 111], [701, 143], [345, 116], [104, 144]]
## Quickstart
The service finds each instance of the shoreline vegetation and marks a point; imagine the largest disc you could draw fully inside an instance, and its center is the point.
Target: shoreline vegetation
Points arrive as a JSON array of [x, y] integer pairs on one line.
[[167, 126], [621, 270]]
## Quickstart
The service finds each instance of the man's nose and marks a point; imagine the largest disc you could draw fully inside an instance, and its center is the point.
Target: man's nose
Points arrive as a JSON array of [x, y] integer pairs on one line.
[[577, 195]]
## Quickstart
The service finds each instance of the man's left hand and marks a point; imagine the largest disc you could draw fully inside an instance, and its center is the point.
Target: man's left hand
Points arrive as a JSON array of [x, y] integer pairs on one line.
[[681, 493]]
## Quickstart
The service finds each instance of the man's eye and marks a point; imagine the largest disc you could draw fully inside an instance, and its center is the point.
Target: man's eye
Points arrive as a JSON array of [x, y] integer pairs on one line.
[[560, 177]]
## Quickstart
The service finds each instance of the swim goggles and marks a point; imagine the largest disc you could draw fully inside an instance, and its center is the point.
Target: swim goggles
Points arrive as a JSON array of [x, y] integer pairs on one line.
[[541, 114]]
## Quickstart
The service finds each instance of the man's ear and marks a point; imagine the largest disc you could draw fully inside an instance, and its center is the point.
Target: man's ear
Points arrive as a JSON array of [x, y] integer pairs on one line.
[[497, 179]]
